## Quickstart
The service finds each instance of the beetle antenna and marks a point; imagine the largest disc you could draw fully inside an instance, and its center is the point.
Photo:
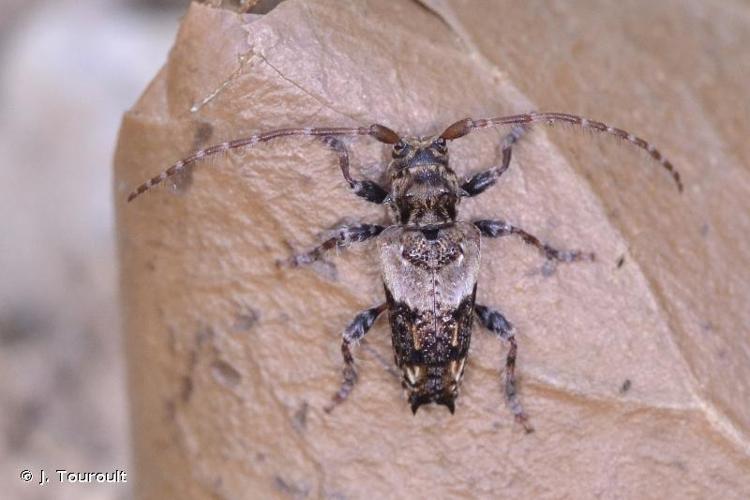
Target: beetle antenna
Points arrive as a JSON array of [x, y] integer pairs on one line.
[[379, 132], [463, 127]]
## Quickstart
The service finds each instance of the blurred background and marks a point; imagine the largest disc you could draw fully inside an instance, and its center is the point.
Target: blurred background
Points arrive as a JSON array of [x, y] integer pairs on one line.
[[68, 71]]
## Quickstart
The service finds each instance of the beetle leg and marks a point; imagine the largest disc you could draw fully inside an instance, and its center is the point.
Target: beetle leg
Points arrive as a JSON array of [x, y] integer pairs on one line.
[[498, 228], [495, 322], [482, 180], [352, 334], [367, 189], [342, 238]]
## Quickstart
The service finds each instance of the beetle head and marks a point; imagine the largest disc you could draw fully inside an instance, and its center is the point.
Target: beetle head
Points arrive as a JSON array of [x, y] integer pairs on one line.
[[424, 189]]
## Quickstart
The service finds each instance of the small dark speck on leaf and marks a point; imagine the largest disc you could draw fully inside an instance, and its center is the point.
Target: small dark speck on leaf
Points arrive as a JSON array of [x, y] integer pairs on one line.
[[186, 389], [625, 386], [300, 417], [291, 489], [225, 374], [621, 261], [202, 134], [678, 464], [245, 320], [704, 230], [202, 335], [707, 326]]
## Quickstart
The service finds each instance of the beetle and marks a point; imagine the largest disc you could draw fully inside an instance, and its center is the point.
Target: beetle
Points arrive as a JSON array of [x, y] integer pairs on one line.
[[429, 257]]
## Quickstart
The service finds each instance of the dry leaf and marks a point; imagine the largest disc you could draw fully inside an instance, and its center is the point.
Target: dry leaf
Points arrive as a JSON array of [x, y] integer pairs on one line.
[[636, 377]]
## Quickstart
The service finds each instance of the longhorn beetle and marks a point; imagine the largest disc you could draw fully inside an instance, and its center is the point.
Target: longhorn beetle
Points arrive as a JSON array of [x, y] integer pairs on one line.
[[429, 259]]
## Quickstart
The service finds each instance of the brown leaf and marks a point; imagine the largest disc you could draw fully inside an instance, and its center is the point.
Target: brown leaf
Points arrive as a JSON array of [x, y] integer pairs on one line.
[[636, 377]]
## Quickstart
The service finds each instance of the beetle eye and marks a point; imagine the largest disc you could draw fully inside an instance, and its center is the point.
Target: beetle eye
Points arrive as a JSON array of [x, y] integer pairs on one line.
[[441, 145], [399, 149]]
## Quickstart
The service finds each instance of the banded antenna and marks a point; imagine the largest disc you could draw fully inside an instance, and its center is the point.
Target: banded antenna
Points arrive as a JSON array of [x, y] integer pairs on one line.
[[463, 127], [379, 132], [385, 135]]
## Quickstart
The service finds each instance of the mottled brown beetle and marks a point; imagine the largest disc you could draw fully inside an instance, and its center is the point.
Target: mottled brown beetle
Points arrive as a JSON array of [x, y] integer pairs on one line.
[[429, 259]]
